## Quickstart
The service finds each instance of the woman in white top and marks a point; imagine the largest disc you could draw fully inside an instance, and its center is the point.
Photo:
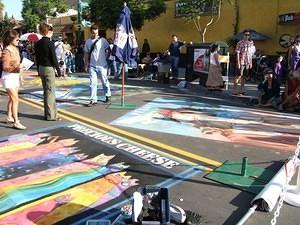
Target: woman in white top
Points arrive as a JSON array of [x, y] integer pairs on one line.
[[11, 76], [214, 80]]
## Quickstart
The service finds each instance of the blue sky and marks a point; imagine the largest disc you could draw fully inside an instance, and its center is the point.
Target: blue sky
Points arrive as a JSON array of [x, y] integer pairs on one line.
[[13, 8]]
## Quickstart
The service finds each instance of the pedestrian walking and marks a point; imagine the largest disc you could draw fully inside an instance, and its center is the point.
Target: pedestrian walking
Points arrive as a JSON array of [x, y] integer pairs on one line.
[[59, 49], [245, 50], [68, 56], [47, 64], [11, 76], [214, 79], [174, 53], [96, 51]]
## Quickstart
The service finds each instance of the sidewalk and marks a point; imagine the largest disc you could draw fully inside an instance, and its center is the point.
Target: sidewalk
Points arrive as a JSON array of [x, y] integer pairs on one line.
[[250, 88]]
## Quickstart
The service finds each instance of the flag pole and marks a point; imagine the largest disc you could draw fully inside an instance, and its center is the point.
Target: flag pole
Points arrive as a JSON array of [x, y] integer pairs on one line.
[[123, 79], [123, 51], [123, 84]]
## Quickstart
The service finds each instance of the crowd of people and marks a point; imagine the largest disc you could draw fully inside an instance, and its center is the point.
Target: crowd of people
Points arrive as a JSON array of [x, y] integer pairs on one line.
[[269, 89], [57, 58], [269, 92]]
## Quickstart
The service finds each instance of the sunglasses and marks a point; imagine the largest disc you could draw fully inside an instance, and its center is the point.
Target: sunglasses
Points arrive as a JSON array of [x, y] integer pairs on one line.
[[246, 34]]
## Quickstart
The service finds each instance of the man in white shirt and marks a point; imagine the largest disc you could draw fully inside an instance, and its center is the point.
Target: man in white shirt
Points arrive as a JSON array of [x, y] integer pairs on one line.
[[96, 50], [59, 49]]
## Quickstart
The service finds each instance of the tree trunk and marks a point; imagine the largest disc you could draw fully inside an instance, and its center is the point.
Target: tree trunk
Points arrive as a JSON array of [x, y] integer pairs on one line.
[[202, 34], [236, 17]]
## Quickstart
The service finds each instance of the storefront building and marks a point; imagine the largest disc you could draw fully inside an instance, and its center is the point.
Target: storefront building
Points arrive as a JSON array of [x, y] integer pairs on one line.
[[277, 19], [273, 18], [64, 25]]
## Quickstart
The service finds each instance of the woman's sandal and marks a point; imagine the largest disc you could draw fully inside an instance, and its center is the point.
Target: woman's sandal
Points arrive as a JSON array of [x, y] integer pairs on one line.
[[19, 126], [9, 120]]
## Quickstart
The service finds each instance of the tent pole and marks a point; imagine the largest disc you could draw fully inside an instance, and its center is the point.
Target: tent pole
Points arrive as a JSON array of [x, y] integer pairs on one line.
[[123, 84]]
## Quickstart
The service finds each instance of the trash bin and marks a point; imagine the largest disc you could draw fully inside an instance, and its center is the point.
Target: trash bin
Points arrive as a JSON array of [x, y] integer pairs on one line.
[[197, 64], [163, 73]]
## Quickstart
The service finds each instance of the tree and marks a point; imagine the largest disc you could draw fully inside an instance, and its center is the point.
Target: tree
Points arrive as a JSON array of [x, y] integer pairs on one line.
[[1, 10], [6, 24], [35, 11], [107, 12], [194, 10]]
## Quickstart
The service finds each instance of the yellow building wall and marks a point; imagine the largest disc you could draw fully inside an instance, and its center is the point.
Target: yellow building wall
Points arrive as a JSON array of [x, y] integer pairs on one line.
[[260, 15]]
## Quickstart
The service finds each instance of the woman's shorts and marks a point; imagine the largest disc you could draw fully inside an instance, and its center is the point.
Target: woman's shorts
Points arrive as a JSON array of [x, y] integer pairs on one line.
[[10, 80]]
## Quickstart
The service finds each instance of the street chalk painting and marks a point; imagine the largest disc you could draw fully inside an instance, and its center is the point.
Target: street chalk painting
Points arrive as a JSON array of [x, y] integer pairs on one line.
[[72, 173], [67, 96], [216, 122], [34, 81]]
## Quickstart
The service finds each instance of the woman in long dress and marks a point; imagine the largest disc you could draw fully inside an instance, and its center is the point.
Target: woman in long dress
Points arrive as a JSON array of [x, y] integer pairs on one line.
[[214, 80]]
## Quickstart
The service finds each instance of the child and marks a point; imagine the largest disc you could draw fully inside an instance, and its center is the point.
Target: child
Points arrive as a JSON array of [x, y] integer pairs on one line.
[[63, 69]]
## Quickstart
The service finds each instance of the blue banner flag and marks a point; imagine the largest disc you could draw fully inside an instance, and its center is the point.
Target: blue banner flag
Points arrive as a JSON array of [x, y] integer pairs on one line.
[[125, 44]]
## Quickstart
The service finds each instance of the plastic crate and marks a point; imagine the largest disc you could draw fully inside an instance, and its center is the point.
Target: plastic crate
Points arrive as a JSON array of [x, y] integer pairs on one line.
[[161, 198]]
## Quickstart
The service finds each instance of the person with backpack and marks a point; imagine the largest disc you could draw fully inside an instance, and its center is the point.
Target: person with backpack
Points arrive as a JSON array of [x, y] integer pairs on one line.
[[96, 51], [11, 76]]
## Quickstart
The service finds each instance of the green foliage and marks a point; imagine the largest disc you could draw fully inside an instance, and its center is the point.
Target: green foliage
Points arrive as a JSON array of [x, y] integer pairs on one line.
[[6, 24], [107, 12], [194, 8], [35, 11]]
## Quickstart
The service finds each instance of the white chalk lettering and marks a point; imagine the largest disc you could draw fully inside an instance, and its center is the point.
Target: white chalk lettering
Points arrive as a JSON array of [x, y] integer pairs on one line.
[[141, 153], [96, 135], [170, 164], [159, 160], [132, 149], [121, 146], [135, 150], [150, 156]]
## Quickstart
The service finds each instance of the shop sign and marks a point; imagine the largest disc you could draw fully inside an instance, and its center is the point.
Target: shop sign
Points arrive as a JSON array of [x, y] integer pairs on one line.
[[289, 18]]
